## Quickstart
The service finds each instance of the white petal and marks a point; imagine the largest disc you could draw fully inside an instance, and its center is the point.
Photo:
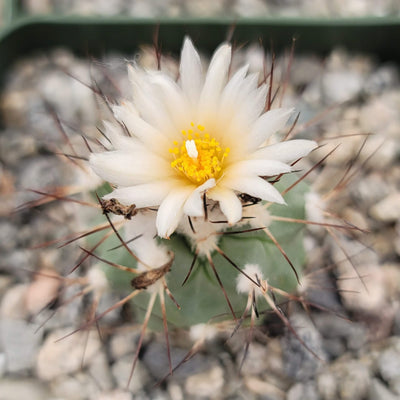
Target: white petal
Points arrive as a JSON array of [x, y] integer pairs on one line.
[[190, 70], [146, 195], [139, 128], [173, 98], [235, 85], [146, 247], [258, 167], [147, 100], [247, 108], [119, 141], [270, 122], [254, 186], [170, 211], [216, 78], [194, 204], [286, 152], [255, 103], [236, 94], [130, 168], [229, 203]]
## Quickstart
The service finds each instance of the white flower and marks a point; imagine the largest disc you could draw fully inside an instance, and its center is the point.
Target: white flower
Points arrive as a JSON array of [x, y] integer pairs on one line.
[[205, 133]]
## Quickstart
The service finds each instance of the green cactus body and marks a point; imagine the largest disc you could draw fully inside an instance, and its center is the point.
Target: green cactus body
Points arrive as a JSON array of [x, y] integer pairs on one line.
[[201, 298]]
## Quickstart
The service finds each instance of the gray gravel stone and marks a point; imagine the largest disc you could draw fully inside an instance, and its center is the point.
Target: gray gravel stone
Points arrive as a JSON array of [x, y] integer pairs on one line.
[[19, 263], [15, 145], [299, 362], [17, 389], [121, 371], [115, 395], [389, 366], [327, 386], [340, 86], [79, 386], [256, 361], [301, 391], [385, 77], [99, 370], [8, 235], [123, 342], [353, 380], [378, 391], [3, 363], [156, 360], [352, 334], [20, 343]]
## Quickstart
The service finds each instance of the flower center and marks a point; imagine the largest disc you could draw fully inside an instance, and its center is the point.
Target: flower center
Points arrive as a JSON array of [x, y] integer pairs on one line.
[[199, 156]]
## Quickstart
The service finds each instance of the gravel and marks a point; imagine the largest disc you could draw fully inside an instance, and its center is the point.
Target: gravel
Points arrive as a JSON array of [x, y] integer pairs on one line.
[[357, 344], [242, 8]]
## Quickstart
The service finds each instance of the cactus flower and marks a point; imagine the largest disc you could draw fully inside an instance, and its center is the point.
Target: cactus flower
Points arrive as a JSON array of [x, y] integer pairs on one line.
[[206, 133]]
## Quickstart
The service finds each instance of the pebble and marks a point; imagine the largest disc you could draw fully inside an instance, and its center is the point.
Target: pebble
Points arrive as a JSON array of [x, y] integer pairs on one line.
[[40, 173], [17, 389], [79, 386], [13, 108], [249, 8], [256, 361], [156, 360], [341, 86], [123, 342], [263, 388], [121, 371], [388, 209], [99, 370], [396, 322], [13, 303], [327, 385], [380, 117], [370, 190], [350, 334], [384, 78], [301, 391], [38, 6], [42, 291], [115, 395], [202, 8], [8, 236], [3, 363], [71, 99], [20, 341], [299, 362], [389, 366], [206, 384], [60, 357], [364, 290], [19, 263], [15, 145], [353, 379], [378, 391]]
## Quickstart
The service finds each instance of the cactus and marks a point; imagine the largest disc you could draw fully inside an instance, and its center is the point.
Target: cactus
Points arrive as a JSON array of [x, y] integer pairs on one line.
[[200, 182], [201, 298]]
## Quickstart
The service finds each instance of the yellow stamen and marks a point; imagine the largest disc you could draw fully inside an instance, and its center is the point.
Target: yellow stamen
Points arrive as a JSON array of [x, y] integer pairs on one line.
[[199, 156]]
